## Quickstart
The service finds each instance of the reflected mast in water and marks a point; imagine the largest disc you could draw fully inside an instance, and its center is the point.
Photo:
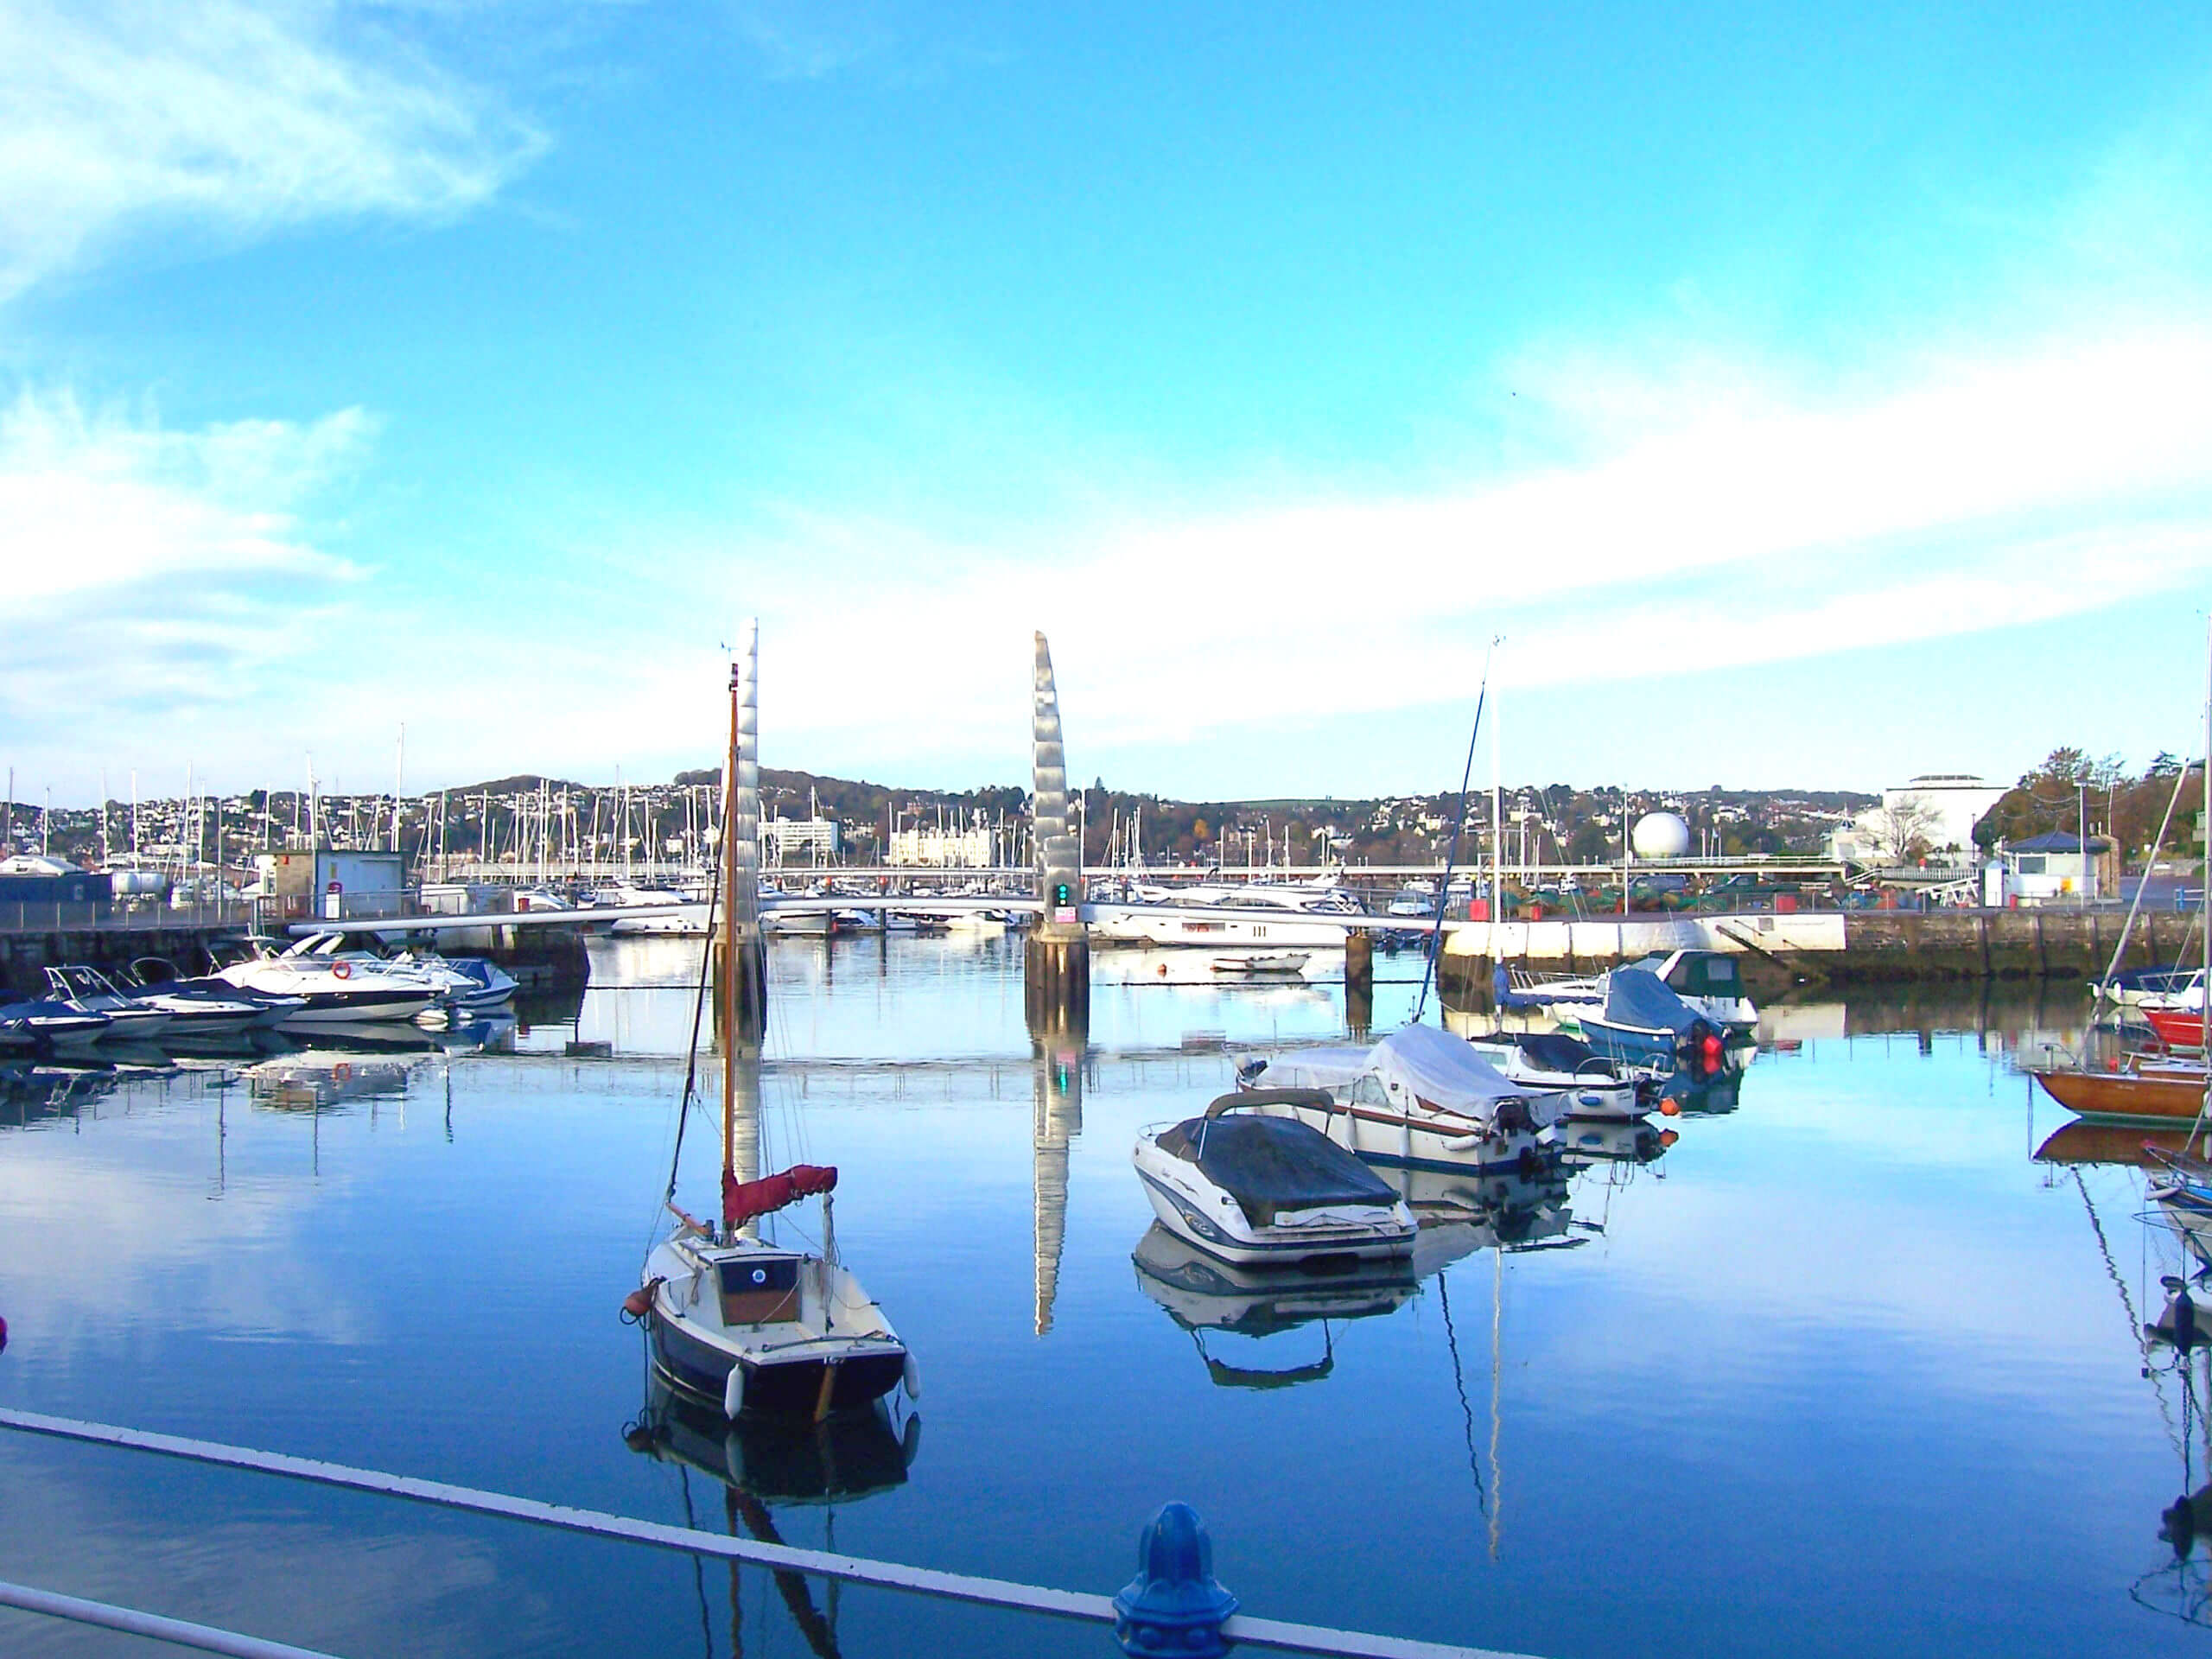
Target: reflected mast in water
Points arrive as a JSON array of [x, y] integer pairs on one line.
[[1058, 1120]]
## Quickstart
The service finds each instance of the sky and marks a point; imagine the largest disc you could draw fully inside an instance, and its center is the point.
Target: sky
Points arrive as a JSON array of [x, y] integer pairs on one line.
[[1801, 398]]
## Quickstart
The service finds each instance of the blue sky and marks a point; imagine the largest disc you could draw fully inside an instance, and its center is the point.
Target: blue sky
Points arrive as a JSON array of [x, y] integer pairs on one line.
[[1806, 398]]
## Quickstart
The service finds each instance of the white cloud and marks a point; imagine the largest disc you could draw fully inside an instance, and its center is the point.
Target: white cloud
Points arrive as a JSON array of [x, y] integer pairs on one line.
[[225, 116], [147, 566], [1970, 494]]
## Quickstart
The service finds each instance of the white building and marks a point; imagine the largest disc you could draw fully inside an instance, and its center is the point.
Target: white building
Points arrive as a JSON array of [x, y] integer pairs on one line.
[[813, 841], [1938, 809], [2054, 868], [971, 848]]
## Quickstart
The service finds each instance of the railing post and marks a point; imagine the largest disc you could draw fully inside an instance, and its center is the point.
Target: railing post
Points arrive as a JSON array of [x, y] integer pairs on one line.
[[1174, 1605]]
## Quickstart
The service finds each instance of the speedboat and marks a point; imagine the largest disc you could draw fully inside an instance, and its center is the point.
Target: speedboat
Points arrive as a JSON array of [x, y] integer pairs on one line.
[[82, 990], [334, 992], [155, 979], [1421, 1098], [1252, 1188], [129, 1013], [45, 1024], [464, 982], [1216, 914], [763, 1327]]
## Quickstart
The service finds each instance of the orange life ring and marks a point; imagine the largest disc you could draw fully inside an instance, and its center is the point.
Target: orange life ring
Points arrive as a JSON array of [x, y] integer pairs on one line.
[[342, 969], [343, 1071]]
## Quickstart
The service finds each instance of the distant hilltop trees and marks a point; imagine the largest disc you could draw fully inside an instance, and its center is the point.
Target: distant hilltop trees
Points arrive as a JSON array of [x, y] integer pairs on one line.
[[2070, 786]]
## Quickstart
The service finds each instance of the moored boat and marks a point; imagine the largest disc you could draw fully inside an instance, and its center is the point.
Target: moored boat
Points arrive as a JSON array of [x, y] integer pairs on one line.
[[2136, 1087], [1252, 1188]]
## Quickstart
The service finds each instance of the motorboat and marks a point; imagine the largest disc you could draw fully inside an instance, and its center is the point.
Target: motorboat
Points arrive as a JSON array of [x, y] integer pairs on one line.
[[2176, 986], [1251, 1188], [82, 990], [1710, 982], [1419, 1097], [1217, 914], [157, 979], [45, 1025], [2176, 1027], [1642, 1023], [136, 1015], [331, 991], [1264, 964], [1558, 1060], [469, 983]]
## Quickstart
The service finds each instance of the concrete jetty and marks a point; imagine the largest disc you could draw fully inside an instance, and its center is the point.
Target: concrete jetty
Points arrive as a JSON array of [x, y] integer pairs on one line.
[[1854, 947]]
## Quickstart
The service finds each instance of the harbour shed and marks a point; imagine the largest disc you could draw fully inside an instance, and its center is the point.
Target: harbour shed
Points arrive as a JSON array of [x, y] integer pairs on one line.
[[335, 884], [2053, 869]]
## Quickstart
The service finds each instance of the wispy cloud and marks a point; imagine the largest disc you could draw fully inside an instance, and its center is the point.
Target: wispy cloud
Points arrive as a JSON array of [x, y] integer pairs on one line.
[[227, 118], [150, 568]]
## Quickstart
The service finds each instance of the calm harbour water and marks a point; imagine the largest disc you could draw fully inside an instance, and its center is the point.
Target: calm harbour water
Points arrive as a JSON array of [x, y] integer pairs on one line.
[[1847, 1369]]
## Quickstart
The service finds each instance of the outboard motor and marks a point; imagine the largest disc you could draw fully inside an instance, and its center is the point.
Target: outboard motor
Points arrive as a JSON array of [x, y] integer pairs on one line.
[[2177, 1324]]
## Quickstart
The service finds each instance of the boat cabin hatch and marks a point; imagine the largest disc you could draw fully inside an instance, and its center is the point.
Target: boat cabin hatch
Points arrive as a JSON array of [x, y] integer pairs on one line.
[[1699, 973], [758, 1289]]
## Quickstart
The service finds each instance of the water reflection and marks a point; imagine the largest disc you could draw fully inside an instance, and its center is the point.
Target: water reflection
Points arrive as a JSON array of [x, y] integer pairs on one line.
[[1057, 1120], [1202, 1293], [763, 1465]]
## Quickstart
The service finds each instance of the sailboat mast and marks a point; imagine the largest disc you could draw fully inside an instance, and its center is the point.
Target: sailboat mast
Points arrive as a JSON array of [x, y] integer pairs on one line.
[[731, 965]]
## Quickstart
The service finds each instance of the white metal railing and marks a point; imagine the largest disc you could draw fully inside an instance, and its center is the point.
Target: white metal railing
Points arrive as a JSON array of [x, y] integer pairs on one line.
[[916, 1580]]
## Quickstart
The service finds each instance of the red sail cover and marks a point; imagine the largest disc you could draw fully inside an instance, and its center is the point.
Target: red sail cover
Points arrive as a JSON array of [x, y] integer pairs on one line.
[[743, 1200]]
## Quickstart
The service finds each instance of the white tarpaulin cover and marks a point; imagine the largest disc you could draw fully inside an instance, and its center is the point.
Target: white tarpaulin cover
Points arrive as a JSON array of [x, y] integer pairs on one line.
[[1420, 1061]]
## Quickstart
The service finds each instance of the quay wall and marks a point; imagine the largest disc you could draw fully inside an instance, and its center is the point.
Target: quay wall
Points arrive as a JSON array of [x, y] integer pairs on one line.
[[1836, 948]]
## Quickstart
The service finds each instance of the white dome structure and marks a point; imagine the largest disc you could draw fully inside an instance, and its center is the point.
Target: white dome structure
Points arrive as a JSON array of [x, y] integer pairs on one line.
[[1660, 834]]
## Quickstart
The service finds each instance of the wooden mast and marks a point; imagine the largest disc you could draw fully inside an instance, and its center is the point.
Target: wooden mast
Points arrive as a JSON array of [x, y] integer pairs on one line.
[[731, 965]]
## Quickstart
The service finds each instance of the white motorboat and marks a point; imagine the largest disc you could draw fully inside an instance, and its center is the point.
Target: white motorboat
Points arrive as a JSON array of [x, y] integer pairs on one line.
[[129, 1013], [464, 982], [1421, 1097], [45, 1025], [1264, 964], [1217, 914], [1252, 1188], [334, 992], [83, 990]]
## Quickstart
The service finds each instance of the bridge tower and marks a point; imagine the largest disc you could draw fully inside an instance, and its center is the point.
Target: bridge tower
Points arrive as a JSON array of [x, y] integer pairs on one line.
[[1056, 958]]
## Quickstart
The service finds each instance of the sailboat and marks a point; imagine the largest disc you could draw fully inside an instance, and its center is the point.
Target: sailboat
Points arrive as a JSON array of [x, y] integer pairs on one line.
[[733, 1318]]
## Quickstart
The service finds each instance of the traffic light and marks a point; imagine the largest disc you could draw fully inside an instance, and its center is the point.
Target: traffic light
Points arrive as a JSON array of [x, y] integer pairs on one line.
[[1062, 894]]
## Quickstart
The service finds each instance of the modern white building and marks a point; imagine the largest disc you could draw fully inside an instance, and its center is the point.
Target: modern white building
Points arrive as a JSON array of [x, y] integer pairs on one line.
[[1938, 809], [971, 848], [800, 841]]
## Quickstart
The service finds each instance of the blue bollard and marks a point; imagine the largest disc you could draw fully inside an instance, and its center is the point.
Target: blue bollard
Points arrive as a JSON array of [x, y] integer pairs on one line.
[[1174, 1606]]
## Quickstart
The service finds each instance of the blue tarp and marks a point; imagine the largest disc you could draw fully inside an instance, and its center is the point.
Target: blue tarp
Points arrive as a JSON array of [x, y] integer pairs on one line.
[[1638, 998]]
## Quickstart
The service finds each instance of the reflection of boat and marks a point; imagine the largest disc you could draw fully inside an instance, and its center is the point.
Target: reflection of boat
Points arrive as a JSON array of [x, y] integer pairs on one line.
[[822, 1465], [1204, 1293], [1420, 1097], [318, 1080], [1598, 1139], [1250, 1188], [846, 1455], [2085, 1142]]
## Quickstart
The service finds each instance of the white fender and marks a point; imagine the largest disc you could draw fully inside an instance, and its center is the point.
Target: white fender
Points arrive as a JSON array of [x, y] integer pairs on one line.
[[733, 1391], [913, 1378], [1466, 1143]]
